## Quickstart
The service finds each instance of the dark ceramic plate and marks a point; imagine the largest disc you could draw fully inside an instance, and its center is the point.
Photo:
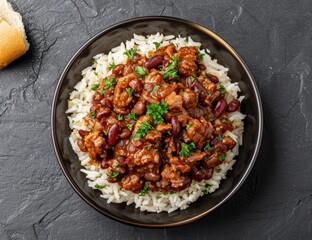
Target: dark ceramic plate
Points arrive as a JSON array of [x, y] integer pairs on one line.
[[223, 52]]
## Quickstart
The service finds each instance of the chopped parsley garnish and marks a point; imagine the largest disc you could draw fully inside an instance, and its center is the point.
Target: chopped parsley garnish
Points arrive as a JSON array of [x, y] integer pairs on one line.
[[105, 132], [101, 92], [188, 125], [224, 119], [208, 147], [115, 165], [148, 147], [201, 56], [130, 126], [187, 149], [92, 114], [157, 197], [207, 188], [119, 117], [99, 186], [155, 89], [130, 91], [220, 137], [192, 78], [143, 129], [172, 192], [139, 70], [111, 66], [222, 88], [94, 86], [144, 191], [157, 44], [94, 61], [113, 174], [218, 170], [156, 110], [222, 156], [109, 82], [130, 53], [96, 74], [133, 116], [171, 71]]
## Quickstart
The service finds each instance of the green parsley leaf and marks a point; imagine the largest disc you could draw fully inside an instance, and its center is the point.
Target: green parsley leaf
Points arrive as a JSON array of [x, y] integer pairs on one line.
[[139, 70], [157, 197], [148, 147], [222, 156], [105, 132], [99, 186], [218, 170], [220, 137], [94, 61], [143, 129], [111, 66], [156, 110], [188, 125], [109, 82], [115, 165], [171, 70], [155, 89], [222, 88], [130, 126], [157, 44], [101, 92], [94, 86], [208, 147], [119, 117], [192, 78], [133, 116], [112, 175], [96, 74], [207, 188], [130, 91], [224, 119], [92, 114], [201, 56], [173, 192], [130, 53], [187, 149], [144, 191]]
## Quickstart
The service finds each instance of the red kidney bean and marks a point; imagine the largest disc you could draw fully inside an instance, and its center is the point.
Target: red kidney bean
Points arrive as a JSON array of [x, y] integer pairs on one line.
[[198, 173], [113, 180], [175, 127], [190, 82], [212, 78], [104, 164], [138, 144], [178, 147], [165, 62], [136, 85], [204, 99], [153, 62], [125, 133], [113, 134], [202, 67], [105, 112], [209, 173], [151, 177], [219, 147], [233, 106], [81, 145], [139, 108], [219, 108], [106, 102], [118, 69], [94, 101], [229, 142], [103, 122], [136, 57], [121, 160], [83, 133]]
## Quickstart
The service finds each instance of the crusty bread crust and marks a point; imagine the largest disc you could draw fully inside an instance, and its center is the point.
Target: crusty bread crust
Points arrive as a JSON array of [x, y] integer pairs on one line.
[[12, 45]]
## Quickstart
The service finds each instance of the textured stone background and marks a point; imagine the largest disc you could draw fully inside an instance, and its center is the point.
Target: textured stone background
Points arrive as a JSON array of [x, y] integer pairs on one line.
[[274, 37]]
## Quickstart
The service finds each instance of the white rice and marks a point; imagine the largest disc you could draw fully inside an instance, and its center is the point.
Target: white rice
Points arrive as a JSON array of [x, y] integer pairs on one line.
[[80, 102]]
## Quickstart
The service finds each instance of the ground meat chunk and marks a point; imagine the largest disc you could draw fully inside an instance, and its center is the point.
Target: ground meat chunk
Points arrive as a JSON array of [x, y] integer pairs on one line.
[[132, 182], [171, 176], [187, 57], [121, 96], [169, 50], [145, 156], [196, 156], [94, 144], [153, 78], [199, 131], [153, 136], [190, 99], [180, 164], [174, 101], [164, 127]]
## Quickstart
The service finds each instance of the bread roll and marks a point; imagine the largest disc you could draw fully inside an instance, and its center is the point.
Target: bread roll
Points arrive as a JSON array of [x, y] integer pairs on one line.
[[13, 42]]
